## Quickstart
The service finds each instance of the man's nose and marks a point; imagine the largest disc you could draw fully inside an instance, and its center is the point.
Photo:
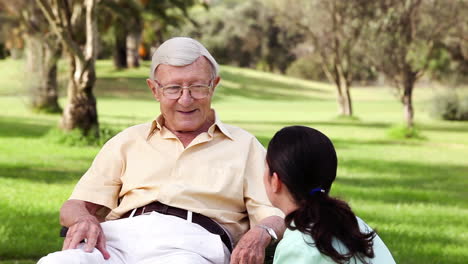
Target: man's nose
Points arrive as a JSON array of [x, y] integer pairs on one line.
[[185, 99]]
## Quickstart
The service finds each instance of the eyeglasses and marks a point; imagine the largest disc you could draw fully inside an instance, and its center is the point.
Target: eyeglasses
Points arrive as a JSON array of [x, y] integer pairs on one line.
[[196, 91]]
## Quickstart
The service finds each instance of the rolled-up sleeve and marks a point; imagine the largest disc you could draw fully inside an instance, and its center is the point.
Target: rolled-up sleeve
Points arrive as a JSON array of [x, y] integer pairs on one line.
[[101, 184]]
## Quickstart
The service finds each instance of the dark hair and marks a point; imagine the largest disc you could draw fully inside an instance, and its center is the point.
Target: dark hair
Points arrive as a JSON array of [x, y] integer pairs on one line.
[[305, 159]]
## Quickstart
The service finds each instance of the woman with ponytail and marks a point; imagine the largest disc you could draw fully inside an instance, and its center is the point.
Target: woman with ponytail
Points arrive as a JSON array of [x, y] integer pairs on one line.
[[301, 167]]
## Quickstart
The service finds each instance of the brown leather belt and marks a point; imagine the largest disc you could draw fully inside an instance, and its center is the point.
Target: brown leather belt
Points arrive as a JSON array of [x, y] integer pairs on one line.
[[204, 221]]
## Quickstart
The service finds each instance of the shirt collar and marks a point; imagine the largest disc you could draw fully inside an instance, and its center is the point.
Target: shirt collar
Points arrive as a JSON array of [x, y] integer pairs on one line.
[[158, 125]]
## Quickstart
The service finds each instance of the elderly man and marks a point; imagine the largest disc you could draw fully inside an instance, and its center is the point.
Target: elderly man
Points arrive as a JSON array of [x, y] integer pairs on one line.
[[185, 188]]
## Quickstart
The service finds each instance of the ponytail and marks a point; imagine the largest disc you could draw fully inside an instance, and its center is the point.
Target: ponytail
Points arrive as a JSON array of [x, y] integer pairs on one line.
[[325, 218]]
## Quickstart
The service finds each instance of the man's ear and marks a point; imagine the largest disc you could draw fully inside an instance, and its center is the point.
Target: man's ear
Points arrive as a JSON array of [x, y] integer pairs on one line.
[[276, 184], [216, 82], [154, 90]]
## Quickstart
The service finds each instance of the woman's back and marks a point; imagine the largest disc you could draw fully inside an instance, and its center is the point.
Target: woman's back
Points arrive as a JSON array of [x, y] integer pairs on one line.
[[298, 248]]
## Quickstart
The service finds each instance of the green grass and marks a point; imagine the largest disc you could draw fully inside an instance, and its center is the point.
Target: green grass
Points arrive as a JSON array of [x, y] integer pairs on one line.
[[414, 192]]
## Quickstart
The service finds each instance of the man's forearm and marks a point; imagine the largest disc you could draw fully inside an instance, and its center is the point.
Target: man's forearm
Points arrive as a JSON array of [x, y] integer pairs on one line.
[[72, 210]]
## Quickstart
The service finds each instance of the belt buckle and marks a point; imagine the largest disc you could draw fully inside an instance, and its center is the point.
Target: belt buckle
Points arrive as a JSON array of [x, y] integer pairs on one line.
[[189, 216]]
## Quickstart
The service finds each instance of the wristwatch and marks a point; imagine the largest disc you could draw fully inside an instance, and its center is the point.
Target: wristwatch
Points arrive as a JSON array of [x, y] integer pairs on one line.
[[270, 231]]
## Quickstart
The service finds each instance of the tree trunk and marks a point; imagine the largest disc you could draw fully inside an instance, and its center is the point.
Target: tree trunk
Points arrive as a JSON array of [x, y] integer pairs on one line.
[[120, 48], [41, 64], [133, 43], [16, 54], [81, 110], [341, 104], [2, 51], [15, 44], [344, 104], [407, 99], [349, 106], [343, 95]]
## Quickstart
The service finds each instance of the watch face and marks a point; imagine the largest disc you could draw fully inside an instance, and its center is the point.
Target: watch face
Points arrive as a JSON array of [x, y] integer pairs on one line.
[[272, 233]]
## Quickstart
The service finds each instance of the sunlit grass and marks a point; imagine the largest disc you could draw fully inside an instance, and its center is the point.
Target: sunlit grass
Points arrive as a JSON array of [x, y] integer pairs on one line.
[[412, 191]]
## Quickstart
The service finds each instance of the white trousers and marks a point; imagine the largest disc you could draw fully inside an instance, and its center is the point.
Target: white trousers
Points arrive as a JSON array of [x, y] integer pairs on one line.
[[150, 239]]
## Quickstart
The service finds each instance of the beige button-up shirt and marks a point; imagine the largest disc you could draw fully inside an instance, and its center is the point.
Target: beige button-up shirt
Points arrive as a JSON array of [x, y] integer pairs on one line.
[[219, 175]]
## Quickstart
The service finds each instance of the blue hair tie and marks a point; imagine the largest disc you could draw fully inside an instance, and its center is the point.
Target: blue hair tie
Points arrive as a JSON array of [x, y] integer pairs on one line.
[[316, 190]]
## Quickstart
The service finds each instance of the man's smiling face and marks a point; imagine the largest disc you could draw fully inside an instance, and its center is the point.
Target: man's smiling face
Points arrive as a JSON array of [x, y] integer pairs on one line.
[[184, 114]]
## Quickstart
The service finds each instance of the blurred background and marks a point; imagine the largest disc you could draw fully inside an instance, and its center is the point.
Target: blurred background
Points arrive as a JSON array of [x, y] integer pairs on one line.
[[386, 80]]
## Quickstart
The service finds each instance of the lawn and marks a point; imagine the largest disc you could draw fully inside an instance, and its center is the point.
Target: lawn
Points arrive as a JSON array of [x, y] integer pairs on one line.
[[414, 192]]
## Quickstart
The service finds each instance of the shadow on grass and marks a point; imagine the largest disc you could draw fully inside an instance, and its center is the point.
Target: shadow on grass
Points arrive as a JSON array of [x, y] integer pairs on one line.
[[128, 87], [266, 82], [38, 174], [407, 247], [406, 182], [238, 84], [28, 235], [22, 127], [349, 143], [313, 124], [455, 127]]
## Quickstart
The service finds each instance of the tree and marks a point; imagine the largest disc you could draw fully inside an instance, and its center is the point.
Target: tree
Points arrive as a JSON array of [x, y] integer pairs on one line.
[[450, 62], [404, 39], [64, 20], [333, 29], [135, 21], [160, 18], [4, 18], [10, 31], [42, 53], [124, 18]]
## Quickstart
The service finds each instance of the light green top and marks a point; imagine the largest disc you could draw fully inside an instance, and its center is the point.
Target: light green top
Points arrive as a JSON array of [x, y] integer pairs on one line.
[[294, 249]]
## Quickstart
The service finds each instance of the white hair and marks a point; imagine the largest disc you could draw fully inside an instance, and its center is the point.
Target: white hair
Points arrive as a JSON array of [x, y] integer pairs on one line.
[[181, 51]]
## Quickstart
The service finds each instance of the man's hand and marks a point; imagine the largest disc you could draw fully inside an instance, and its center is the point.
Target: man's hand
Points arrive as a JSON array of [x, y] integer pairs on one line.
[[251, 247], [88, 228]]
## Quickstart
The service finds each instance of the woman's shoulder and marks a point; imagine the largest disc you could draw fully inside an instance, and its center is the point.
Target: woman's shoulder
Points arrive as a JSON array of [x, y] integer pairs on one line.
[[381, 251], [296, 247], [363, 225]]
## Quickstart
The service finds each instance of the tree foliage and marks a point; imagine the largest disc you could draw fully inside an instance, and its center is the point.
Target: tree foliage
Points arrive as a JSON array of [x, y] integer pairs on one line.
[[449, 62], [133, 26], [244, 34], [404, 39]]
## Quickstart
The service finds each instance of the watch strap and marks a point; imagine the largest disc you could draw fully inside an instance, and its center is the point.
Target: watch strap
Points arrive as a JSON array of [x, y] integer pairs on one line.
[[270, 232]]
